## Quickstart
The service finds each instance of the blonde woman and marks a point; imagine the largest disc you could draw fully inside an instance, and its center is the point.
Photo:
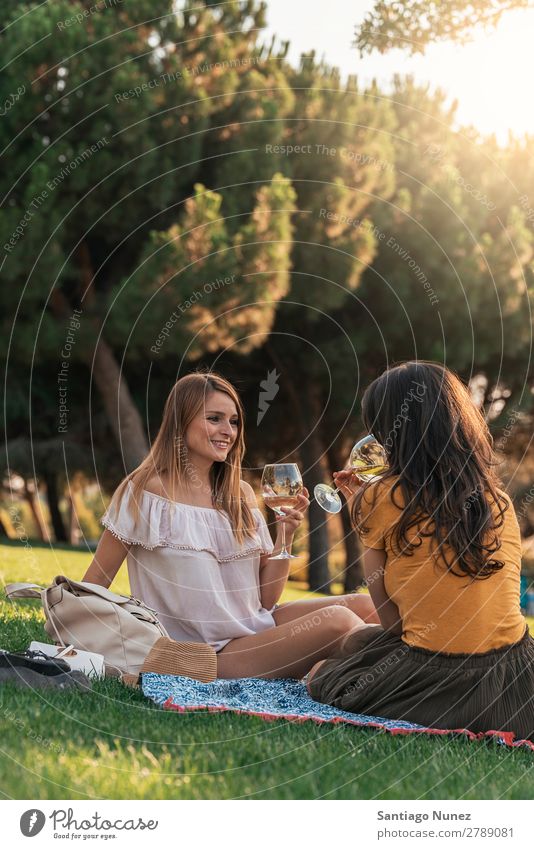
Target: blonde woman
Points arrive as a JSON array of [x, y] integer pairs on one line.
[[197, 545]]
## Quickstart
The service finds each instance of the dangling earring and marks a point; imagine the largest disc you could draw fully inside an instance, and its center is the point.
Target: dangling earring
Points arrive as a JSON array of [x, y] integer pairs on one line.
[[181, 448]]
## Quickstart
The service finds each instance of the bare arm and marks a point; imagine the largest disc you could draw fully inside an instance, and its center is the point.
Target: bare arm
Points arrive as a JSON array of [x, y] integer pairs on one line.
[[274, 573], [374, 562], [107, 561]]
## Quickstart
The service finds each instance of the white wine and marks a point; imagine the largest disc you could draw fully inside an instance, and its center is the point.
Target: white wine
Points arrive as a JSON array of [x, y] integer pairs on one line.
[[368, 459], [278, 502], [366, 472]]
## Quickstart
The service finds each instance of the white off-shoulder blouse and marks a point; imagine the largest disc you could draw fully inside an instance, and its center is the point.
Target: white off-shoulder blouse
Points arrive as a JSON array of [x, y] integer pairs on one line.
[[186, 564]]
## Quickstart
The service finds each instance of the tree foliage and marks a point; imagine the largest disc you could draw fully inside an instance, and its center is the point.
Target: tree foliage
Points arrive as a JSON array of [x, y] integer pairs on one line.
[[414, 24]]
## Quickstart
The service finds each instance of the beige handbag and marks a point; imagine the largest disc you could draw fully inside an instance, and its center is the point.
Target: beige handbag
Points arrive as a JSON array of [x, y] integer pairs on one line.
[[94, 619]]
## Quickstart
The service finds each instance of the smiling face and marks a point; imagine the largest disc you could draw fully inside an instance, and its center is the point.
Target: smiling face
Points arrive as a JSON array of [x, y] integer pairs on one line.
[[214, 430]]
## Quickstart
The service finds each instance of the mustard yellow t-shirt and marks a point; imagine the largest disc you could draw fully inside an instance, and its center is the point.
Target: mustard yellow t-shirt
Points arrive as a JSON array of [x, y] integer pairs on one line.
[[441, 611]]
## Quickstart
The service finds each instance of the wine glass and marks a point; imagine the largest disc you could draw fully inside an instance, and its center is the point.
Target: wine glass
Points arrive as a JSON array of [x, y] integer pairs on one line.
[[368, 459], [281, 485]]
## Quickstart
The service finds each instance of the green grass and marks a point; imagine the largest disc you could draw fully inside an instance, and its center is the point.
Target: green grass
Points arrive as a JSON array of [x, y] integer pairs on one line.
[[113, 743]]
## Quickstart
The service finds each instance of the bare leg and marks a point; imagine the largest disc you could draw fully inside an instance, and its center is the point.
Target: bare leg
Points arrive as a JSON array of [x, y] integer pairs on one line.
[[289, 650], [346, 647], [360, 603]]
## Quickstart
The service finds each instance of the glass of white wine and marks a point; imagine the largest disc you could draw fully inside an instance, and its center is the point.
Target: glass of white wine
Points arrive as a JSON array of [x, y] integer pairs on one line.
[[368, 459], [281, 485]]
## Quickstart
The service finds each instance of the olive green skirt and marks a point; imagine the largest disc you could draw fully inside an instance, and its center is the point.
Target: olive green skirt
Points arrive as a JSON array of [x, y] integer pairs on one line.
[[380, 675]]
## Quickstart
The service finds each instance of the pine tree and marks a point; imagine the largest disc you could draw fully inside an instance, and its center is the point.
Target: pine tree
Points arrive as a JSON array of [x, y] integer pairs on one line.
[[413, 24], [341, 158], [106, 144]]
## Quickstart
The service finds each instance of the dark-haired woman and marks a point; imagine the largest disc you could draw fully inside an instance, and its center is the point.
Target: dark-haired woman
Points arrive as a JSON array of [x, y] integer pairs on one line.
[[442, 560]]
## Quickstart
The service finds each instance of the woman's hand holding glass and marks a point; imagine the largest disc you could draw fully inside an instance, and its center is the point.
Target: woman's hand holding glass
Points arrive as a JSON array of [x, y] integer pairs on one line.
[[293, 516], [368, 460], [284, 492], [348, 482]]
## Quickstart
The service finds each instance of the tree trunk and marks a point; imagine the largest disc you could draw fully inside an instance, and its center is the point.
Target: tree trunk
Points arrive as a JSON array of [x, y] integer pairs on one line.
[[30, 494], [353, 573], [74, 525], [123, 415], [52, 497], [318, 542], [306, 406], [315, 471]]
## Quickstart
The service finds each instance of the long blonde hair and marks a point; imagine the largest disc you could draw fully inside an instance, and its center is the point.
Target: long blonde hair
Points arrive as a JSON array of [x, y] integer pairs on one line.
[[168, 455]]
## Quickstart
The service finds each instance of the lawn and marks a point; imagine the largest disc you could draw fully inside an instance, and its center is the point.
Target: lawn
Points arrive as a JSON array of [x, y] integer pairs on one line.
[[114, 744]]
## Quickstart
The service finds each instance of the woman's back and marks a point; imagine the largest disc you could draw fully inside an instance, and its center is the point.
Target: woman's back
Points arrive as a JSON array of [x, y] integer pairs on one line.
[[454, 650], [442, 611]]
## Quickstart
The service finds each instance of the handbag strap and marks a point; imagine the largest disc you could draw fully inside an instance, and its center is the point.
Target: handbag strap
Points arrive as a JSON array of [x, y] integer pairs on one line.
[[34, 591], [23, 591]]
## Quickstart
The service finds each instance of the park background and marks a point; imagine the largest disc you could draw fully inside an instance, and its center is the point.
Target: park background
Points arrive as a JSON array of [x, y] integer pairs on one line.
[[180, 192]]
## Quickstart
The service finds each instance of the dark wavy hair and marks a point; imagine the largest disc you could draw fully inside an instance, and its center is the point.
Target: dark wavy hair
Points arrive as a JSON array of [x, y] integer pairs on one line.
[[440, 447]]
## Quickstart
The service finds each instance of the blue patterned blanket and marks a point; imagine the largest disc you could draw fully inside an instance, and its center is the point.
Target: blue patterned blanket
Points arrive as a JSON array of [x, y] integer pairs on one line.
[[280, 698]]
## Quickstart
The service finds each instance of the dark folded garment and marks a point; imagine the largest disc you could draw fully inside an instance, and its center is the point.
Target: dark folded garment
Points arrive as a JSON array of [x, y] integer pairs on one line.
[[38, 661], [381, 675], [36, 670]]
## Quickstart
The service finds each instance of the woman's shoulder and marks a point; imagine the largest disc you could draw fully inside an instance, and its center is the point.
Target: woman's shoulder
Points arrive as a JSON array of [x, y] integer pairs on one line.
[[378, 502], [158, 485], [510, 515], [162, 522], [503, 494], [380, 489]]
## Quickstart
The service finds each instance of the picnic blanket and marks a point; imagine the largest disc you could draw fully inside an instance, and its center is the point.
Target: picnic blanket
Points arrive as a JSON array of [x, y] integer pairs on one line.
[[280, 698]]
